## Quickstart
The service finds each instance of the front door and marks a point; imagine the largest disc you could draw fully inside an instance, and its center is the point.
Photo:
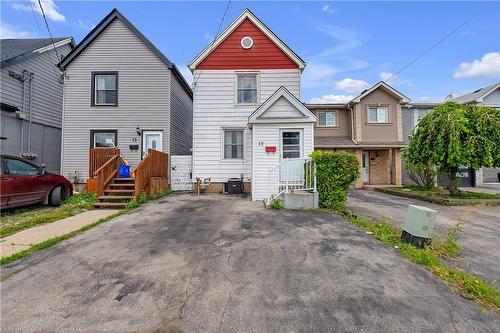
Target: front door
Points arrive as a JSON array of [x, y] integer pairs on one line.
[[366, 167], [151, 140], [291, 149]]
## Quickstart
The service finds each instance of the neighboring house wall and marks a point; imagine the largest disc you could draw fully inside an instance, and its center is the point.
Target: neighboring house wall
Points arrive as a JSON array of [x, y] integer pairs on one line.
[[493, 99], [181, 120], [215, 109], [46, 109], [342, 128], [373, 132], [143, 97]]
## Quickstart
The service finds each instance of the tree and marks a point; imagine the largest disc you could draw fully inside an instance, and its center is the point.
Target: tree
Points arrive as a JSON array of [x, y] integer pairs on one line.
[[454, 135]]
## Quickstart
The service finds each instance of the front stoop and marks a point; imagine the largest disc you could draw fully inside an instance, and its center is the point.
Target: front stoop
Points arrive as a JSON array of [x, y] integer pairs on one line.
[[301, 200], [117, 194]]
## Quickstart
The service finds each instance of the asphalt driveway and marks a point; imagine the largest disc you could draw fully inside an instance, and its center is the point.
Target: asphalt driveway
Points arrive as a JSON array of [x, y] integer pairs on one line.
[[223, 264], [480, 239]]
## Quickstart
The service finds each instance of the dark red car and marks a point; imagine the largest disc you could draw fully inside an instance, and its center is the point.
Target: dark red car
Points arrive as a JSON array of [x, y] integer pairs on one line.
[[24, 183]]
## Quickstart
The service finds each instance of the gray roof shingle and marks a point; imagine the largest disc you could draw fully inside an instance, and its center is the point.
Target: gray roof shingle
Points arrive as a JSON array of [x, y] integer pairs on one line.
[[12, 48], [473, 96]]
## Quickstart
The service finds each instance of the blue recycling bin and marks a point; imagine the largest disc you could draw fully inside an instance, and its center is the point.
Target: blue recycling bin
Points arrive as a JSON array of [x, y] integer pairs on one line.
[[124, 171]]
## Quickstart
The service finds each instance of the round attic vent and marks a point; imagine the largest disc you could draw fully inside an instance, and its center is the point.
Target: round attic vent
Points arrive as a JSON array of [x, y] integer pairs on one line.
[[246, 42]]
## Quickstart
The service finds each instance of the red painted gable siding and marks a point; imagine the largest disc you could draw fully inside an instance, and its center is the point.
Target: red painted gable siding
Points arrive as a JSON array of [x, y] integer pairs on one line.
[[264, 54]]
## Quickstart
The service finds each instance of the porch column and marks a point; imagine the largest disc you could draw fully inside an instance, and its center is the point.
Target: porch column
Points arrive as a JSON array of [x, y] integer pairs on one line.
[[396, 167], [359, 182]]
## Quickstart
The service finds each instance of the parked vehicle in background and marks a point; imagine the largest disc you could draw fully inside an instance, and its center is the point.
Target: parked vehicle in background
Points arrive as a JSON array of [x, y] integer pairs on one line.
[[25, 183]]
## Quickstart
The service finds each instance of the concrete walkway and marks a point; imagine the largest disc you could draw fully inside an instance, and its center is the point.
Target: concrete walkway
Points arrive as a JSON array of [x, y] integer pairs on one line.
[[486, 190], [27, 238]]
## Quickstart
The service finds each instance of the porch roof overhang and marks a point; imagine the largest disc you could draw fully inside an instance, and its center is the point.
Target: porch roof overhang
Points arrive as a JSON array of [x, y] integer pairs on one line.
[[348, 143], [306, 116]]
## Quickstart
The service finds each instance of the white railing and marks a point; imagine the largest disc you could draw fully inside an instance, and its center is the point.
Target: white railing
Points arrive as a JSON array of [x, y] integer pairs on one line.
[[291, 174]]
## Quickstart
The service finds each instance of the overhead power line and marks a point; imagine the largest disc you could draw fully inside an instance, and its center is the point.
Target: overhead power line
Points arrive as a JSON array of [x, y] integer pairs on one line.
[[215, 37], [432, 47], [48, 29]]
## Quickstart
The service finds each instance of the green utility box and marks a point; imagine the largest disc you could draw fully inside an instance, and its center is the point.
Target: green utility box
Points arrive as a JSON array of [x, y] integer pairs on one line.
[[419, 224]]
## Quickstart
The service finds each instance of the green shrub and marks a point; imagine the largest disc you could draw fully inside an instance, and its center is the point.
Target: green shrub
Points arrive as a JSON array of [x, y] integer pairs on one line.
[[424, 175], [276, 204], [335, 172]]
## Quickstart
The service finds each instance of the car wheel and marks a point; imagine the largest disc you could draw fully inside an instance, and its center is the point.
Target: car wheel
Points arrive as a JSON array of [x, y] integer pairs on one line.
[[55, 197]]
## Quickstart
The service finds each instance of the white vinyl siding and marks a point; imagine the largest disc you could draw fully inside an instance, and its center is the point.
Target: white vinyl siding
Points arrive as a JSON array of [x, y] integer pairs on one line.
[[143, 95], [282, 108], [215, 110], [269, 135], [378, 114]]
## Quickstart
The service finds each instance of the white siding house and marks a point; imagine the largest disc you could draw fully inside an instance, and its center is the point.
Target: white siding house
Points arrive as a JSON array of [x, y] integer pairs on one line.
[[246, 99]]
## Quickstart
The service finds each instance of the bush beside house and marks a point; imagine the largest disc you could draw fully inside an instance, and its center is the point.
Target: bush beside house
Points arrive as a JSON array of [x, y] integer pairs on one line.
[[335, 172]]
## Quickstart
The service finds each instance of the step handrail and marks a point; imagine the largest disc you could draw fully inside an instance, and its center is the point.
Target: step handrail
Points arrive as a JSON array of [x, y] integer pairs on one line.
[[155, 164], [107, 172]]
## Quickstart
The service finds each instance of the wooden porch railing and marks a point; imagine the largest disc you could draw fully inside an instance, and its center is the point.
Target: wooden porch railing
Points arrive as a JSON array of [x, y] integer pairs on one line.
[[99, 156], [107, 171], [155, 164]]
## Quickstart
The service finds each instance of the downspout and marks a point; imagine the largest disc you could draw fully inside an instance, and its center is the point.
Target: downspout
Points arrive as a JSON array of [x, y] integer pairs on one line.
[[31, 76], [63, 76], [23, 105], [352, 125]]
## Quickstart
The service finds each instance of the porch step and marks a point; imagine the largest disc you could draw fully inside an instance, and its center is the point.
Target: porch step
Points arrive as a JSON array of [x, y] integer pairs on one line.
[[119, 191], [110, 204], [121, 185], [124, 179], [112, 197]]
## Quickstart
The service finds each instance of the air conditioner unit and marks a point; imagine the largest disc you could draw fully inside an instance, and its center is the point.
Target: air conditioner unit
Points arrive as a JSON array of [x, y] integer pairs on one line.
[[418, 226]]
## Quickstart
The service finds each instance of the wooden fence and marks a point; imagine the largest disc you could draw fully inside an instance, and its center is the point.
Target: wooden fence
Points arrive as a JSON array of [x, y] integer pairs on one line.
[[154, 165]]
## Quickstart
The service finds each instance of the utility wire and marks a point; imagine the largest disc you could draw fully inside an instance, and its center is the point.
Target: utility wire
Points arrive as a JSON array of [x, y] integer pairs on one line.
[[432, 47], [43, 41], [215, 37], [48, 29]]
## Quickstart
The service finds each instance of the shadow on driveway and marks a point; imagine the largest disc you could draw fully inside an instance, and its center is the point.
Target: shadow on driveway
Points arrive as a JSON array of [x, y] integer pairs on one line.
[[222, 264]]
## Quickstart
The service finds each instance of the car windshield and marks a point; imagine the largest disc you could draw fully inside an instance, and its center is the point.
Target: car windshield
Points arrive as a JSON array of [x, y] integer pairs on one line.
[[18, 167]]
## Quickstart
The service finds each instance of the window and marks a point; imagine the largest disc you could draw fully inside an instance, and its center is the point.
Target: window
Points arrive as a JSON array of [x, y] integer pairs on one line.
[[247, 88], [327, 119], [103, 139], [378, 114], [105, 89], [233, 144], [291, 146], [18, 167]]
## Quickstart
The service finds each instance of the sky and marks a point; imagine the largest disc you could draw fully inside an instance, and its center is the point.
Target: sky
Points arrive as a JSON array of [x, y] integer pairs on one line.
[[348, 45]]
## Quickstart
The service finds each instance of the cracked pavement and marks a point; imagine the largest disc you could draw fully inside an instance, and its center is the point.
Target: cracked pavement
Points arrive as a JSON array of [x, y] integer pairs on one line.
[[218, 263]]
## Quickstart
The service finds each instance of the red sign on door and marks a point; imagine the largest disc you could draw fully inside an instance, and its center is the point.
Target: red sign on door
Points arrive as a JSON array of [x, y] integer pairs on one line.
[[270, 149]]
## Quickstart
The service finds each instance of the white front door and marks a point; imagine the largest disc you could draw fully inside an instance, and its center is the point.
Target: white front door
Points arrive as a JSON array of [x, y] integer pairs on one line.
[[291, 148], [366, 167], [151, 140]]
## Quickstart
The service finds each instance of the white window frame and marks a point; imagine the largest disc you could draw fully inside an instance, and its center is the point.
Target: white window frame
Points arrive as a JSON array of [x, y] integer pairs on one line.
[[257, 78], [326, 119], [368, 121], [223, 134], [301, 131]]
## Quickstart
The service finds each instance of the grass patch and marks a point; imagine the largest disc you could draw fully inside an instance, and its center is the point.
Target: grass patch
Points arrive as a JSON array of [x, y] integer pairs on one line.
[[434, 192], [24, 218], [50, 242], [431, 257]]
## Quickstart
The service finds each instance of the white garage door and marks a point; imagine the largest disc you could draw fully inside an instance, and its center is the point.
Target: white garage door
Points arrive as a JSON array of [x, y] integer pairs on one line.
[[181, 173]]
